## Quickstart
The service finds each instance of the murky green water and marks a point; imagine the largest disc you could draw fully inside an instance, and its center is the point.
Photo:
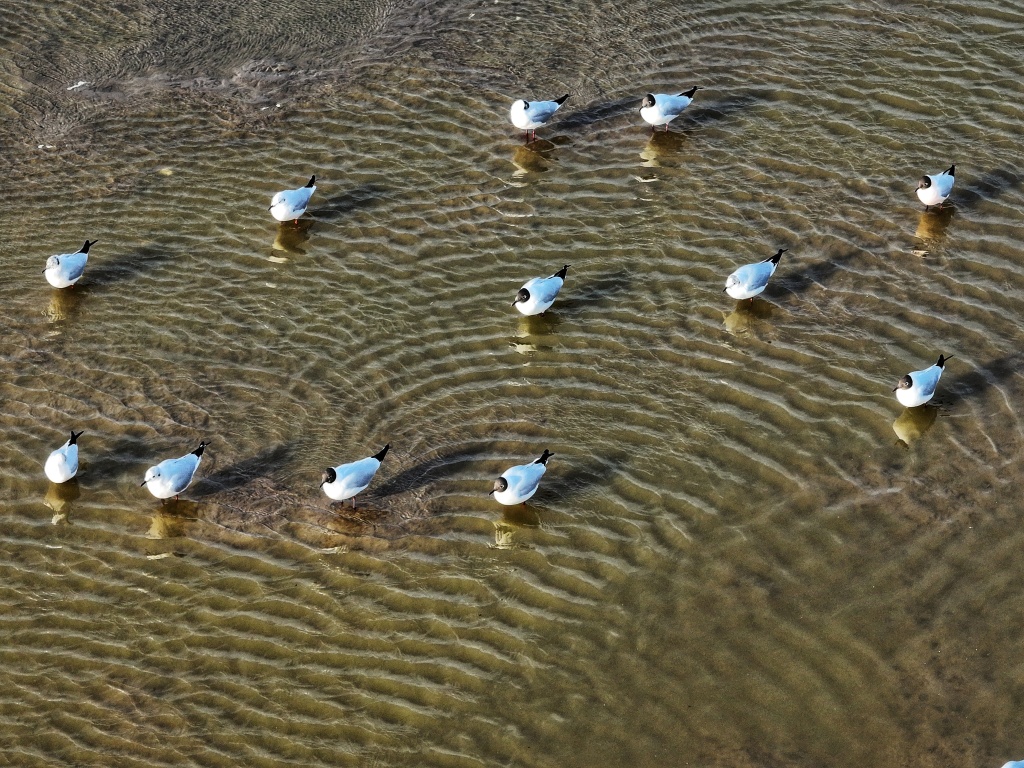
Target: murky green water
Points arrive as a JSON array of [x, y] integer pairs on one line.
[[744, 553]]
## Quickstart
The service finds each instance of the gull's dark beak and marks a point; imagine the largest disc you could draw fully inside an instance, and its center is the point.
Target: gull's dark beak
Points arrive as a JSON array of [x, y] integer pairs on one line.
[[143, 483]]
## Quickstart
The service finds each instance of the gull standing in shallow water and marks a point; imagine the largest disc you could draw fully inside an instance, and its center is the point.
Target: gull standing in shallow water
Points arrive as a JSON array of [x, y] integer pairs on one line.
[[750, 280], [65, 269], [662, 108], [538, 294], [172, 476], [531, 115], [519, 483], [289, 204], [933, 190], [62, 464], [918, 387], [345, 481]]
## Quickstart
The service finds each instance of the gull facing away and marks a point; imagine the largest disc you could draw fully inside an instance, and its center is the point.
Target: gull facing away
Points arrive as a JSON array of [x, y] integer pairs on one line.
[[918, 387], [290, 204], [347, 480], [530, 115], [65, 269], [538, 294], [172, 476], [933, 190], [750, 280], [662, 108], [62, 464], [519, 483]]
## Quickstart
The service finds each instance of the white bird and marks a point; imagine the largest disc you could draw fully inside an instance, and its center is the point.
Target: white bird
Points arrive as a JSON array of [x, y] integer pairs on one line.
[[348, 480], [538, 294], [918, 387], [289, 204], [65, 269], [749, 280], [933, 190], [519, 483], [62, 464], [172, 476], [531, 115], [662, 108]]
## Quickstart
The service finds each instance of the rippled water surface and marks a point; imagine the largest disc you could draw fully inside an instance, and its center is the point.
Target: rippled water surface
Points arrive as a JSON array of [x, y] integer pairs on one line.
[[744, 553]]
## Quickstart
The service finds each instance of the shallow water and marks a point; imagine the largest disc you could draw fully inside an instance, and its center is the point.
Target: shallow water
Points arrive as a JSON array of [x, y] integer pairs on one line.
[[744, 553]]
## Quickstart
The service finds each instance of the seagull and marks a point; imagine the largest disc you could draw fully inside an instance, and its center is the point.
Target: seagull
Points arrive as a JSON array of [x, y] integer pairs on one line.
[[519, 483], [662, 108], [291, 203], [172, 476], [539, 293], [933, 190], [347, 480], [749, 280], [531, 115], [65, 269], [918, 387], [62, 464]]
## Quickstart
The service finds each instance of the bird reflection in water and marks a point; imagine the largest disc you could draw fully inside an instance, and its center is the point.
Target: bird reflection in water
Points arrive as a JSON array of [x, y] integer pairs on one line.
[[931, 229], [532, 158], [913, 423], [532, 330], [59, 497], [747, 315], [63, 304], [290, 237], [513, 521], [661, 146]]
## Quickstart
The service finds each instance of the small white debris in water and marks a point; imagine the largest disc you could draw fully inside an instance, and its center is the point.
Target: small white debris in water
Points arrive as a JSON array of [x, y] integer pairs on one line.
[[165, 172], [472, 15], [45, 146], [277, 260], [78, 85]]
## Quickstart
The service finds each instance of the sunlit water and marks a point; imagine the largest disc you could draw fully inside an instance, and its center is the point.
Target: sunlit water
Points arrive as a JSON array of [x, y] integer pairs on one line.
[[744, 553]]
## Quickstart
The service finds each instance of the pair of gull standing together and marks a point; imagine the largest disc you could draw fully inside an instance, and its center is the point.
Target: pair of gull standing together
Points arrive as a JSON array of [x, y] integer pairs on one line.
[[172, 476], [656, 109], [65, 269], [914, 389]]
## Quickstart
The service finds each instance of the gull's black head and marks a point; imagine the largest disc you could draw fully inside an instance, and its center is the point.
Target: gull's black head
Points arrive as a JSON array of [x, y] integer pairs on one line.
[[329, 476], [501, 484], [648, 101], [905, 383], [925, 182], [523, 295]]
